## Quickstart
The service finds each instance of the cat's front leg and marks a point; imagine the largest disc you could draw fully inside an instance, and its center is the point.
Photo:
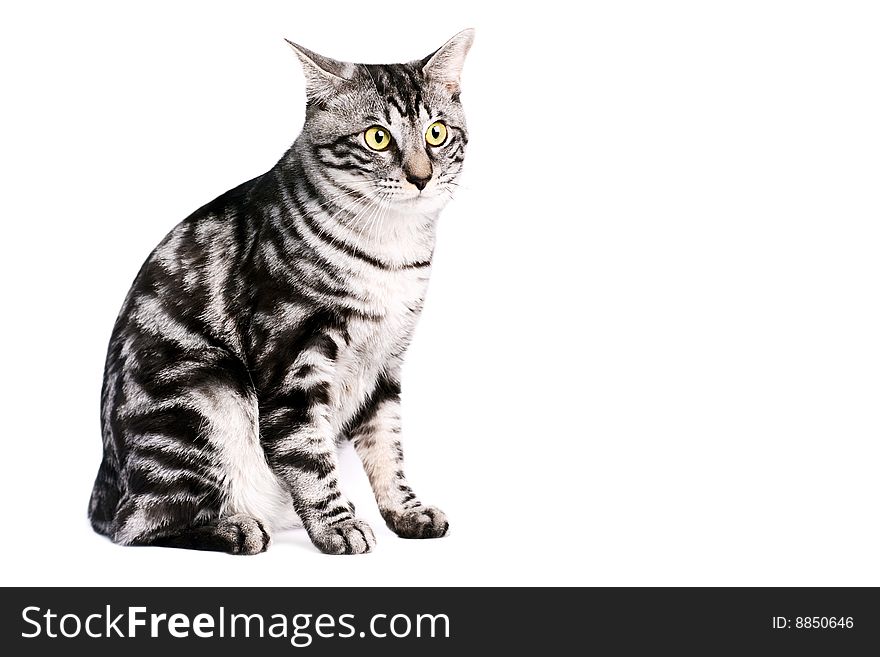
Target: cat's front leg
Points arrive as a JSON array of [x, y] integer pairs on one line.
[[376, 438], [300, 446]]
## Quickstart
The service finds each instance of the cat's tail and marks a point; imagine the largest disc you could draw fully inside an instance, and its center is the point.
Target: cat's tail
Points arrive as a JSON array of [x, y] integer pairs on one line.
[[107, 490], [105, 498]]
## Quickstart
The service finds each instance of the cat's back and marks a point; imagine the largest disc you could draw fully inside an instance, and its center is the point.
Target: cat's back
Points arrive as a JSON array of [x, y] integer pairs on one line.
[[189, 290]]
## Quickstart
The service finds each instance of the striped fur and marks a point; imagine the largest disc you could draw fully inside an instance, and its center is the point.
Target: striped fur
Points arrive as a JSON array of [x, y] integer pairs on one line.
[[271, 324]]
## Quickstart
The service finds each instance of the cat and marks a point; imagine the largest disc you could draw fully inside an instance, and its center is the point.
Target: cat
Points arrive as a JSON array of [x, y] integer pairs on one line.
[[271, 324]]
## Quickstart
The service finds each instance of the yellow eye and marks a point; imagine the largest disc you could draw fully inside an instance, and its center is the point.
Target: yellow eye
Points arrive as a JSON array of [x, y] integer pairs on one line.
[[436, 134], [377, 138]]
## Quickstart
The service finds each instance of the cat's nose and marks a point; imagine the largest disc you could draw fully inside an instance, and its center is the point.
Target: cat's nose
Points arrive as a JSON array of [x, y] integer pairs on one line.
[[417, 180], [417, 169]]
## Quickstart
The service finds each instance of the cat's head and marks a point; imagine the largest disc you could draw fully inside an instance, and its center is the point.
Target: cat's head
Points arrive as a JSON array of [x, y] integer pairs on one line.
[[395, 133]]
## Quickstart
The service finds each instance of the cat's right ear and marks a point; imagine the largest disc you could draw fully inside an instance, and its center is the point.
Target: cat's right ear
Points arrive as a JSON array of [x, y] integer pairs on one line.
[[324, 76]]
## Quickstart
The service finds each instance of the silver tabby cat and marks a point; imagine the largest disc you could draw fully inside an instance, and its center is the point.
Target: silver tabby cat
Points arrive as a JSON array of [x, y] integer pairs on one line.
[[271, 324]]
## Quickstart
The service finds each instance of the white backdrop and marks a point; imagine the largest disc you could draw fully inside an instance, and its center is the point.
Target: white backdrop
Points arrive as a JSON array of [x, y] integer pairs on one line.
[[651, 349]]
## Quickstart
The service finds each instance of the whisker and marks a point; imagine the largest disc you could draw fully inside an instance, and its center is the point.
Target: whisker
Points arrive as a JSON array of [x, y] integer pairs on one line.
[[380, 219], [365, 224], [371, 206]]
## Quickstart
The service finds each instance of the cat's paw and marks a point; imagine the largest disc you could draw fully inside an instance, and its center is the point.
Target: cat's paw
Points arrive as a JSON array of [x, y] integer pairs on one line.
[[418, 522], [243, 534], [350, 536]]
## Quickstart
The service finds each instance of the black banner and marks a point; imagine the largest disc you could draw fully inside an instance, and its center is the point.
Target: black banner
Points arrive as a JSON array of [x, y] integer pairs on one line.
[[278, 621]]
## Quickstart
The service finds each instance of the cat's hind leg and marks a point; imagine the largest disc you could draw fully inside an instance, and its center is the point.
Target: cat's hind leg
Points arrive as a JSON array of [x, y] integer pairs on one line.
[[238, 534], [193, 472]]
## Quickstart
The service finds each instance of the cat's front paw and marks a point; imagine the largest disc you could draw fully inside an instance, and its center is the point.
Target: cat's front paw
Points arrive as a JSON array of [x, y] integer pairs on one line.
[[350, 536], [418, 522]]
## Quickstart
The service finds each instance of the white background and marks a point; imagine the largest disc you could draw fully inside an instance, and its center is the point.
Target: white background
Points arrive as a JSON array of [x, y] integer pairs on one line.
[[651, 349]]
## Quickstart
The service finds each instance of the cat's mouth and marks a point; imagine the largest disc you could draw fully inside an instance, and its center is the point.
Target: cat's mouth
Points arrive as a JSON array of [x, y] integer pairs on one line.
[[408, 197]]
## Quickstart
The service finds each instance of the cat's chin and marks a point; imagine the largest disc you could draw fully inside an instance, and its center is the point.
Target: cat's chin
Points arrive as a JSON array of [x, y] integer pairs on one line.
[[427, 204]]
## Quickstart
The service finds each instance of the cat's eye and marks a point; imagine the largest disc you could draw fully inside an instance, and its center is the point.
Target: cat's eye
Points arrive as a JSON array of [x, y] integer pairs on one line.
[[436, 134], [377, 138]]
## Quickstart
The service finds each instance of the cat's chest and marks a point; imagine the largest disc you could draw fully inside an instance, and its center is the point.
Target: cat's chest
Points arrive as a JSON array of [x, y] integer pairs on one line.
[[376, 340]]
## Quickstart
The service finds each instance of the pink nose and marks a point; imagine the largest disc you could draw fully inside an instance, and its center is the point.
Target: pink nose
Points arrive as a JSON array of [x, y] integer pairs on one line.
[[417, 169]]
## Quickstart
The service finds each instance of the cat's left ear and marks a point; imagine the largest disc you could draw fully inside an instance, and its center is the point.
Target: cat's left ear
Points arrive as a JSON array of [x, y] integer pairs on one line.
[[324, 76], [445, 64]]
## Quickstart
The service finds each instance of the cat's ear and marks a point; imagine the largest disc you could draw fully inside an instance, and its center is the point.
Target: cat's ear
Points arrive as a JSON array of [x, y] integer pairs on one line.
[[324, 76], [445, 64]]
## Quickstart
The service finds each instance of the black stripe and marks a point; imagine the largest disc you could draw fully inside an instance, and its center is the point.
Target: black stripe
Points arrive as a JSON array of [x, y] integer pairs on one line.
[[415, 86], [144, 480], [345, 150], [196, 461], [321, 505], [319, 285], [334, 302], [181, 423], [288, 412], [347, 166], [366, 542], [330, 240], [336, 514], [326, 346], [319, 394], [344, 139], [395, 103], [386, 389], [348, 548], [320, 464], [349, 313]]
